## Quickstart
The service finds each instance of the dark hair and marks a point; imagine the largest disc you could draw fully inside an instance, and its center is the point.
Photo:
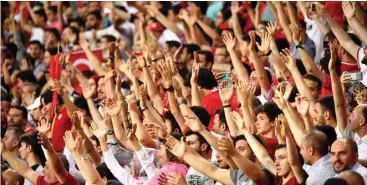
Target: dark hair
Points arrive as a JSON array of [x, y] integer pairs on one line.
[[327, 104], [13, 49], [281, 44], [173, 43], [314, 79], [55, 32], [324, 63], [330, 36], [200, 137], [355, 39], [17, 131], [303, 24], [317, 140], [280, 146], [270, 109], [64, 161], [329, 131], [52, 51], [76, 32], [364, 113], [21, 108], [81, 103], [42, 13], [242, 137], [255, 102], [94, 138], [53, 9], [80, 21], [191, 48], [209, 58], [169, 116], [31, 139], [103, 171], [202, 114], [222, 116], [206, 79], [247, 38], [47, 97], [203, 5], [96, 13], [36, 42], [301, 68], [110, 38]]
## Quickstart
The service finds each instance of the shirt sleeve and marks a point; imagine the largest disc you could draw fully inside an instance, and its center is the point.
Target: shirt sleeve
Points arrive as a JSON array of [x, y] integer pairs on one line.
[[118, 171], [146, 159], [122, 155]]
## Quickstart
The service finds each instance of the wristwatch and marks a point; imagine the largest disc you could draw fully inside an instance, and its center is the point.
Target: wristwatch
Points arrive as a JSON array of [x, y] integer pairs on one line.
[[183, 101], [110, 132], [300, 46]]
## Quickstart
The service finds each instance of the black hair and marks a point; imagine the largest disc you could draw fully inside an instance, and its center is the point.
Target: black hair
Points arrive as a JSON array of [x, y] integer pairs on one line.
[[12, 49], [281, 44], [53, 9], [36, 42], [314, 79], [226, 14], [110, 38], [173, 43], [222, 116], [52, 51], [55, 32], [327, 104], [247, 38], [255, 102], [94, 138], [202, 140], [202, 114], [209, 58], [206, 79], [103, 171], [31, 139], [355, 39], [80, 21], [280, 146], [47, 97], [96, 13], [303, 24], [64, 161], [364, 113], [81, 103], [42, 13], [191, 48], [329, 131], [324, 63], [21, 108], [242, 137], [203, 5], [27, 76], [270, 109], [76, 32], [169, 116], [301, 68]]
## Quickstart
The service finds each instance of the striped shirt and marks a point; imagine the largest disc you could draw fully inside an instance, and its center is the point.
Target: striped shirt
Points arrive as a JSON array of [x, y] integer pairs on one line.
[[320, 171]]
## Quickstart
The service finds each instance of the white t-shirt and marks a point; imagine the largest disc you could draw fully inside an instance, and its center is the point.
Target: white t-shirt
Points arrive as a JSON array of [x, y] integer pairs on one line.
[[37, 34], [315, 34], [363, 67], [167, 35]]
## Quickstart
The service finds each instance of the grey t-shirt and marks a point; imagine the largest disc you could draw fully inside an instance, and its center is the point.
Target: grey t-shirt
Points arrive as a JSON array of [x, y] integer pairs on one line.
[[194, 177], [239, 178]]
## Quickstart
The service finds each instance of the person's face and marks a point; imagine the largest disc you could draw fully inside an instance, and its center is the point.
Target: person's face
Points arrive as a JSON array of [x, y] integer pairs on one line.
[[184, 55], [15, 118], [94, 6], [68, 72], [221, 55], [281, 162], [342, 157], [45, 111], [46, 59], [92, 84], [318, 115], [356, 119], [4, 111], [313, 87], [219, 19], [49, 174], [263, 124], [193, 142], [162, 154], [10, 177], [172, 17], [101, 89], [244, 149], [362, 97], [24, 150], [10, 140], [27, 89], [104, 43], [96, 147], [66, 35], [253, 80], [36, 114], [221, 162], [168, 125], [202, 61], [92, 22], [34, 51], [216, 123], [304, 151]]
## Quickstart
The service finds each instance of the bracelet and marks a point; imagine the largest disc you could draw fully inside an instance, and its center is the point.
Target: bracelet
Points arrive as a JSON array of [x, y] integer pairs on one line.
[[111, 57], [84, 157], [227, 106], [268, 53]]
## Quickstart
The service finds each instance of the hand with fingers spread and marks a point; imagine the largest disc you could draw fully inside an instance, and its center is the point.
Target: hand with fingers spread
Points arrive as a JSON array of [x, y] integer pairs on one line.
[[175, 178], [131, 103], [44, 141], [271, 28], [124, 67], [349, 9], [265, 43], [88, 91], [278, 127], [288, 91], [238, 120], [100, 133], [295, 33], [289, 59], [320, 9], [156, 131], [69, 141], [302, 105], [225, 92], [195, 73], [225, 145], [113, 108], [166, 72], [235, 7], [44, 126], [194, 123], [229, 41], [279, 100], [141, 60], [178, 89], [77, 119], [178, 148]]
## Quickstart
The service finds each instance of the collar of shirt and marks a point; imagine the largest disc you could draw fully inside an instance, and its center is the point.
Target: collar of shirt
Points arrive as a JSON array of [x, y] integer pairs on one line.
[[364, 139], [326, 158]]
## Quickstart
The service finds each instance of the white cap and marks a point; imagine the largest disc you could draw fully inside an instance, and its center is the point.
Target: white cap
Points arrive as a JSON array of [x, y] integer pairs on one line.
[[36, 104]]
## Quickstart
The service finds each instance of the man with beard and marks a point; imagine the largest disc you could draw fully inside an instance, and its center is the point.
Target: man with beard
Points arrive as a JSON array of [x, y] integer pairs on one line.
[[17, 117], [4, 107], [344, 155]]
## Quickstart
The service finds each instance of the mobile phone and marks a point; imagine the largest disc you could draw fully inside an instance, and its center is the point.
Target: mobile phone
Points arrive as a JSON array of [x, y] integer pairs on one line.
[[227, 76], [356, 76], [313, 7], [326, 47]]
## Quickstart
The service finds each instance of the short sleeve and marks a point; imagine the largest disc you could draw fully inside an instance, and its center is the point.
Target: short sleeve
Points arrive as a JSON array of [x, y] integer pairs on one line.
[[233, 174], [71, 180], [41, 180]]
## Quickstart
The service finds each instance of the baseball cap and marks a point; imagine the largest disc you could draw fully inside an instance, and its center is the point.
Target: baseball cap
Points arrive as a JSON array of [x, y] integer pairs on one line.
[[156, 27], [36, 104]]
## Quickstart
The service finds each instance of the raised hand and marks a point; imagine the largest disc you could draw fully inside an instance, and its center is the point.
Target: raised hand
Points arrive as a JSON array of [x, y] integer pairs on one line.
[[28, 98], [140, 58], [320, 9], [238, 120], [131, 103], [177, 54], [296, 36], [225, 92], [44, 126], [83, 42], [175, 178], [302, 105], [124, 67], [278, 126], [165, 70], [195, 73], [279, 100], [288, 58], [69, 141], [193, 122], [178, 148], [131, 135], [88, 91], [58, 87], [77, 119], [286, 89], [113, 108], [100, 133], [265, 42], [252, 45], [178, 89], [349, 9], [225, 145], [333, 56], [271, 28], [143, 96], [235, 8], [44, 141], [156, 131], [229, 41]]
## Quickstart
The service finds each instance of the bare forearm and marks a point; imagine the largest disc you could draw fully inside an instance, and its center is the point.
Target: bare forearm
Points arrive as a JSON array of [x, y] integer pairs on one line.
[[175, 110], [237, 27], [301, 84], [284, 22], [260, 73], [292, 13], [88, 171], [166, 23], [297, 131], [310, 65], [95, 62], [96, 116], [233, 129], [340, 103], [195, 95], [210, 32], [359, 29], [238, 66], [324, 29]]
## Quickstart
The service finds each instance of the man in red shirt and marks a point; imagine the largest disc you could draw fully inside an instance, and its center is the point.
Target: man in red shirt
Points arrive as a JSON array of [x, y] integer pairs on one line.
[[55, 170]]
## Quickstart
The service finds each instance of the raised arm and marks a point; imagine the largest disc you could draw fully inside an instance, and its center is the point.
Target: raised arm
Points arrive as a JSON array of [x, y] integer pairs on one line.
[[154, 12], [338, 95], [21, 167], [91, 57], [292, 12], [235, 9], [195, 95], [226, 94], [349, 9], [284, 22], [212, 33]]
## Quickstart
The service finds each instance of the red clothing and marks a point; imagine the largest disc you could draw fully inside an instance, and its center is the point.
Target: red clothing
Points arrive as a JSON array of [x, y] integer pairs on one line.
[[270, 145], [70, 181], [60, 124], [29, 130], [292, 181], [326, 87], [349, 67], [212, 103]]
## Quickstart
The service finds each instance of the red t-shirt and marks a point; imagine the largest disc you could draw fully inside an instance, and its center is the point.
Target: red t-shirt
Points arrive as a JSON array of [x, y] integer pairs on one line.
[[349, 67], [29, 130], [270, 145], [326, 87], [292, 181], [70, 181], [60, 124], [212, 103]]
